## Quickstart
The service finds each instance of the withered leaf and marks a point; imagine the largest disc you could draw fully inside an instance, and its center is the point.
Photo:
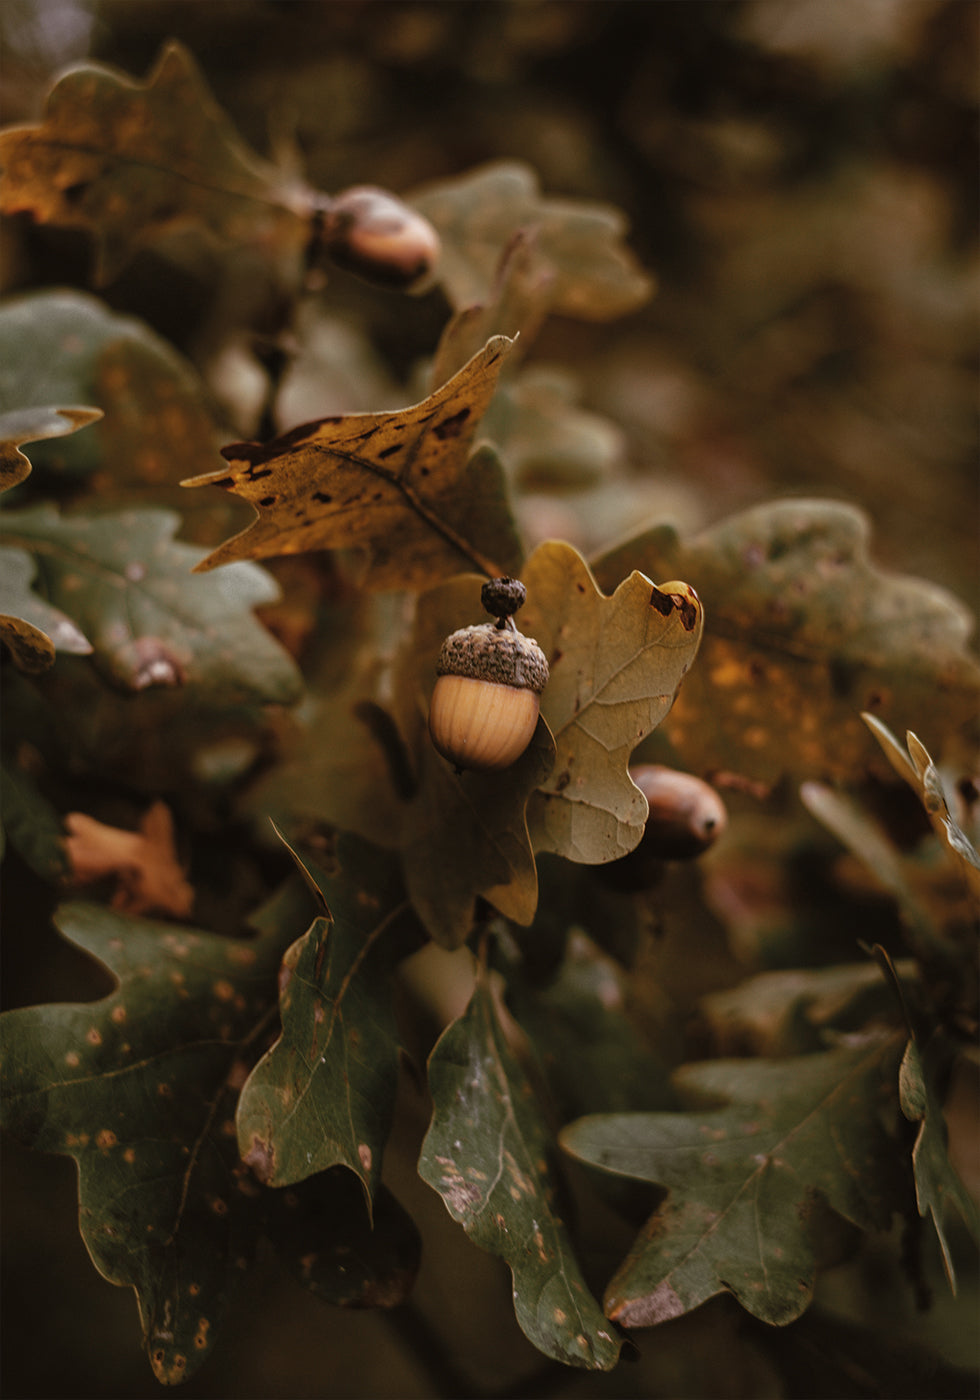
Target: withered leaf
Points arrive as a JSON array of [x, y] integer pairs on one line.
[[803, 632], [578, 243], [616, 663], [128, 160], [401, 486], [150, 877]]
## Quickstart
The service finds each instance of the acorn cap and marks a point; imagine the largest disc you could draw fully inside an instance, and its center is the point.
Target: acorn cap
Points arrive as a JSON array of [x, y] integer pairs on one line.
[[499, 655]]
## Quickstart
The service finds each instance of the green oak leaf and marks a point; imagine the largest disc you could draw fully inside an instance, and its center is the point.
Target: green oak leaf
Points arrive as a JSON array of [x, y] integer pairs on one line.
[[128, 586], [21, 421], [402, 487], [324, 1093], [616, 663], [802, 633], [138, 1088], [129, 160], [157, 421], [937, 1184], [487, 1153], [745, 1179], [577, 243]]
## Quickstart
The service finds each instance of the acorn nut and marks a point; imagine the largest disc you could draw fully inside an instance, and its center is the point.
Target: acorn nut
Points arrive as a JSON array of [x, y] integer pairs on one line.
[[490, 677], [686, 817], [369, 232]]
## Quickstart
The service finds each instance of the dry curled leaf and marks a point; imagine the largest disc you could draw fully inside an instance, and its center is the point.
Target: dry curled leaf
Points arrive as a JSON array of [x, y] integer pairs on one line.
[[33, 425], [145, 863], [401, 486]]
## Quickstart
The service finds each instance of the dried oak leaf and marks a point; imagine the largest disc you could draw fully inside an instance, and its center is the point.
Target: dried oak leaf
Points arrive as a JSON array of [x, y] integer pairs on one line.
[[747, 1180], [489, 1154], [803, 632], [616, 663], [577, 243], [129, 160], [150, 876], [401, 486]]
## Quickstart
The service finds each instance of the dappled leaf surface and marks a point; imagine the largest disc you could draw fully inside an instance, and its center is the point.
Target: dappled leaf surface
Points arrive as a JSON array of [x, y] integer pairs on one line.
[[487, 1154], [937, 1185], [403, 487], [136, 1088], [802, 633], [20, 424], [577, 243], [128, 160], [324, 1094], [128, 585], [741, 1178], [615, 665]]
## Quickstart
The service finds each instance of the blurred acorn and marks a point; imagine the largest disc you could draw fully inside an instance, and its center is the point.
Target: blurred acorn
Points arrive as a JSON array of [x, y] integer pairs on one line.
[[686, 817], [371, 233]]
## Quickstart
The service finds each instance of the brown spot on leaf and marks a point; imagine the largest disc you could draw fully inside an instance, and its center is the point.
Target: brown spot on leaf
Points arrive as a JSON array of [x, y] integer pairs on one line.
[[93, 1036], [451, 427], [261, 1158], [106, 1139]]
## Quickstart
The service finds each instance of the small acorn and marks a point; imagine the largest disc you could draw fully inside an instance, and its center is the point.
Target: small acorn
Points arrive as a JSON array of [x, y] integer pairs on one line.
[[373, 234], [490, 677]]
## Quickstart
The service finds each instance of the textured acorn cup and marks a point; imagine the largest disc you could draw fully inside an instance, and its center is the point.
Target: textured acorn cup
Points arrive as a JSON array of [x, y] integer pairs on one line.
[[490, 677]]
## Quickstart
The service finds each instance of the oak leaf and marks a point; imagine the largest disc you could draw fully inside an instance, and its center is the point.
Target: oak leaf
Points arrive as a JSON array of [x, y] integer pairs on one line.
[[403, 487], [150, 876], [488, 1153], [129, 588], [577, 243], [616, 663], [34, 424], [803, 632], [129, 160], [745, 1179]]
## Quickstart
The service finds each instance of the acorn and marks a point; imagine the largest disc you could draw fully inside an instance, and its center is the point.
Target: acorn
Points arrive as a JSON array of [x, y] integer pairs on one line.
[[369, 232], [686, 816], [487, 697]]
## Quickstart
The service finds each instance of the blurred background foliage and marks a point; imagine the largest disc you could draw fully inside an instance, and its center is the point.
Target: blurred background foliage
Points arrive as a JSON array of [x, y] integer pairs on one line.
[[801, 180]]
